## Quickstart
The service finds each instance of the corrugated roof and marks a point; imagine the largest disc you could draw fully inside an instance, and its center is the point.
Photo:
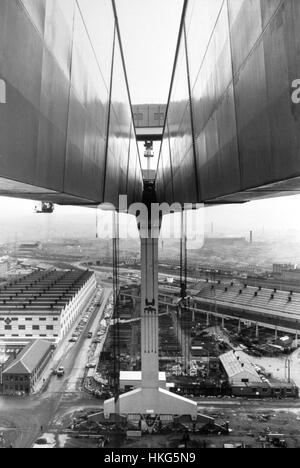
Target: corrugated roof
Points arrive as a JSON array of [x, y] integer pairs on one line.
[[252, 297], [50, 291], [27, 361], [235, 363]]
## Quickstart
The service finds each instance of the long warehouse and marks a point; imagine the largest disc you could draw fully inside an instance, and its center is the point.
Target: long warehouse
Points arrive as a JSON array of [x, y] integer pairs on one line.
[[43, 305], [267, 307]]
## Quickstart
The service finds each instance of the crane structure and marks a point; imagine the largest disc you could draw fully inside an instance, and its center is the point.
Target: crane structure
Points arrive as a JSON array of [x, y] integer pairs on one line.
[[150, 398], [228, 133]]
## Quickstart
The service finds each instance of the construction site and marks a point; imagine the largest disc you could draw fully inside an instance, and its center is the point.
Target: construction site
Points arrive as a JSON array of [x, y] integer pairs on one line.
[[190, 349], [150, 116], [196, 361]]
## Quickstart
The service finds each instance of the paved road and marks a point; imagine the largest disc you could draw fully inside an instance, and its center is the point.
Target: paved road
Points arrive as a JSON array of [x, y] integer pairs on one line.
[[24, 420]]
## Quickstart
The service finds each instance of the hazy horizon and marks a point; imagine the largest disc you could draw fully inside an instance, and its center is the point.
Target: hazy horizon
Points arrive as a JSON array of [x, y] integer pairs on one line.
[[266, 218]]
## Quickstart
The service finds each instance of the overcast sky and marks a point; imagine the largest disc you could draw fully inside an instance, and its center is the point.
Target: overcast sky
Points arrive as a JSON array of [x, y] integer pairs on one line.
[[149, 32]]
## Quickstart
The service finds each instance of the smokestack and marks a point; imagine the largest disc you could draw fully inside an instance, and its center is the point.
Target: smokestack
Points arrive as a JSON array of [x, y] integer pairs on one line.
[[251, 237], [212, 229]]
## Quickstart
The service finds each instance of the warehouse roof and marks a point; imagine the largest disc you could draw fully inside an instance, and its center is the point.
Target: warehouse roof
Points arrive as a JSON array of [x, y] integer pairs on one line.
[[50, 290], [28, 360], [252, 297], [235, 363]]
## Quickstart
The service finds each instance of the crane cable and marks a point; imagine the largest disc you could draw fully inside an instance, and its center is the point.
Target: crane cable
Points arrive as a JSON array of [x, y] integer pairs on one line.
[[182, 312], [116, 334]]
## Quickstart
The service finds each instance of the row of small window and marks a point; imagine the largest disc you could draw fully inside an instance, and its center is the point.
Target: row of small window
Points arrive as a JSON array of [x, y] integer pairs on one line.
[[16, 388], [34, 327], [27, 319], [27, 336], [16, 378]]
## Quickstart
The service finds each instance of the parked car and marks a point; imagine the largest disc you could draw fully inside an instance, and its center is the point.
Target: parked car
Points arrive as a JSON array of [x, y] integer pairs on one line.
[[60, 372]]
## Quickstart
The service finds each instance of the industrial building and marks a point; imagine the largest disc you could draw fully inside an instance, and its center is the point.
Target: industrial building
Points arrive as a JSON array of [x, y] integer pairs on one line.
[[271, 308], [257, 297], [29, 248], [245, 381], [24, 373], [230, 135], [43, 305], [239, 369]]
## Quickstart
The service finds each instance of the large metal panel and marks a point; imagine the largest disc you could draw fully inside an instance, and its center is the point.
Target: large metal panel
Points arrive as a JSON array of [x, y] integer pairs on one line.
[[134, 182], [54, 99], [73, 181], [59, 23], [201, 18], [282, 39], [120, 138], [89, 100], [19, 124], [180, 137], [131, 168], [56, 61], [268, 9], [94, 161], [99, 21], [160, 186], [237, 138], [214, 123], [88, 119], [36, 10], [246, 28], [167, 166], [253, 123], [242, 63], [51, 150], [214, 115], [55, 91], [21, 51]]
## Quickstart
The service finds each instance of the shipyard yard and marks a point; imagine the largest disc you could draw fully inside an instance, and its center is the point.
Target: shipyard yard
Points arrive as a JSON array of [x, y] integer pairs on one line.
[[250, 422], [62, 413], [149, 228]]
